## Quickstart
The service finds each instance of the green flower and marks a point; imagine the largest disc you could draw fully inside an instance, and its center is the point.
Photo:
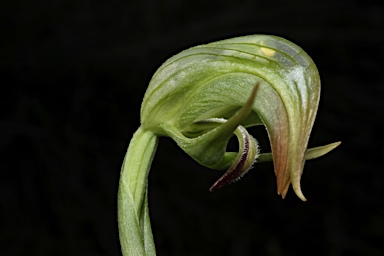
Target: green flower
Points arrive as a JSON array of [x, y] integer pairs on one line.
[[203, 96]]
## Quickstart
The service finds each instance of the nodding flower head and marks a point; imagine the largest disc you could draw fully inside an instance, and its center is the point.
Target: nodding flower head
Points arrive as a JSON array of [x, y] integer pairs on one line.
[[206, 94], [202, 97]]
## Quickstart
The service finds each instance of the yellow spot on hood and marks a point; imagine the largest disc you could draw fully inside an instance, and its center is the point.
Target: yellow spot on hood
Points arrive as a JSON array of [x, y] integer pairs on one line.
[[267, 51]]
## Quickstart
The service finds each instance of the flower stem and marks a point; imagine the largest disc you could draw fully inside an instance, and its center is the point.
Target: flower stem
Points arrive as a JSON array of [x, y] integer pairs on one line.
[[133, 214]]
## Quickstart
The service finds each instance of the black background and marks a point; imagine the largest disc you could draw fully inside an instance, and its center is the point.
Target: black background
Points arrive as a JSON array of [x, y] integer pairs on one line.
[[73, 74]]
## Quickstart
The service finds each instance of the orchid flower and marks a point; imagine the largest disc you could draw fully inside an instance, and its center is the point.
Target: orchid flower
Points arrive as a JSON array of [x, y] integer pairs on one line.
[[202, 97]]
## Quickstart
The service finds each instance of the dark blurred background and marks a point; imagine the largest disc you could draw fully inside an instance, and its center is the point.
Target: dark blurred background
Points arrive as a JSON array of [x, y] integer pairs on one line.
[[73, 74]]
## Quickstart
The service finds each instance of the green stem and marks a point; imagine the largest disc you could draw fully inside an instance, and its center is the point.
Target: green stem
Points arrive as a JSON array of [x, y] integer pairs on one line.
[[133, 214]]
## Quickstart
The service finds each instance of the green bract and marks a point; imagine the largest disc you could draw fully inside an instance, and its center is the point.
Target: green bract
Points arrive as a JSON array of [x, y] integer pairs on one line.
[[203, 96]]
